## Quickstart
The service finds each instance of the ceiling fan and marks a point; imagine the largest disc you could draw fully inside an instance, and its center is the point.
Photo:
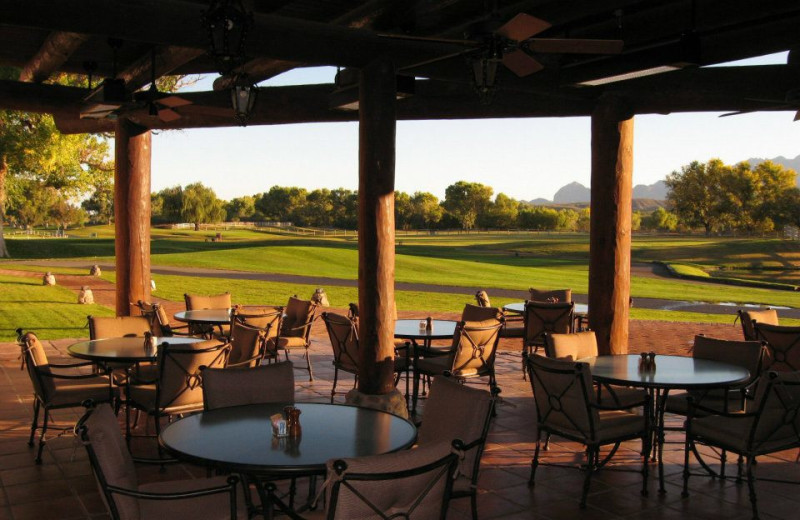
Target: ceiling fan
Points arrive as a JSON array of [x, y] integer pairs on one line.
[[513, 44], [112, 98]]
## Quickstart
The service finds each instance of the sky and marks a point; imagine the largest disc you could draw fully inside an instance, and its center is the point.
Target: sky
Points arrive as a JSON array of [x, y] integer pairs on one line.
[[523, 158]]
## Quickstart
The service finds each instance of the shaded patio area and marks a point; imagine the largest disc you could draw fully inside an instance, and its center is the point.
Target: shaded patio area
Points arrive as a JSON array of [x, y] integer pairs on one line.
[[63, 487]]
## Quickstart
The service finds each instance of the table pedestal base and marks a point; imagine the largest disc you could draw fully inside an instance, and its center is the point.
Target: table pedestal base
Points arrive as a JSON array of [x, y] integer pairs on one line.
[[394, 402]]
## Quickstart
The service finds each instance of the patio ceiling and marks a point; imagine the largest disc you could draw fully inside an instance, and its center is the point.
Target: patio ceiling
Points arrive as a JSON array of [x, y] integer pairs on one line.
[[44, 37]]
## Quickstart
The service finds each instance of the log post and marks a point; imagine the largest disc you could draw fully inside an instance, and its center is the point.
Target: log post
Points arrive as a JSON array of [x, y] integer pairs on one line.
[[377, 122], [610, 221], [132, 214]]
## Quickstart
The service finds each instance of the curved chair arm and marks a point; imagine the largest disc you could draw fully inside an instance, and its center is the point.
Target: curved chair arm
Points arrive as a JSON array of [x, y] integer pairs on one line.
[[150, 495], [71, 365], [66, 376], [628, 406], [244, 362], [694, 407]]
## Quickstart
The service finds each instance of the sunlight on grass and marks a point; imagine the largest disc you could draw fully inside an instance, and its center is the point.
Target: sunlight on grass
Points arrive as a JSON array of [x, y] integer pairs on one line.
[[51, 312]]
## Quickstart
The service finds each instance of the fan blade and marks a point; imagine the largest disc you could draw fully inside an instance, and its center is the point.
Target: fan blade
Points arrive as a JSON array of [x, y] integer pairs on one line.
[[522, 27], [521, 64], [574, 46], [433, 39], [173, 101], [168, 115], [737, 113]]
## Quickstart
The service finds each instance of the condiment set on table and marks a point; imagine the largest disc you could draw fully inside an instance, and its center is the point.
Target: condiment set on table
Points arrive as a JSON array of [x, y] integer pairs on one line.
[[647, 362]]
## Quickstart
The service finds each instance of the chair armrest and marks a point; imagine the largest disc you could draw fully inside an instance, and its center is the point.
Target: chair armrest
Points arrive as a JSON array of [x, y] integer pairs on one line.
[[69, 376], [71, 365], [149, 495], [644, 402], [243, 362], [694, 407]]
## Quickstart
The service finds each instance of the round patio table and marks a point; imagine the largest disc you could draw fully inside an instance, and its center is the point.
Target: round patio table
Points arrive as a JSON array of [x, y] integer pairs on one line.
[[122, 350], [671, 372], [205, 316], [519, 308], [202, 321], [239, 439], [416, 332]]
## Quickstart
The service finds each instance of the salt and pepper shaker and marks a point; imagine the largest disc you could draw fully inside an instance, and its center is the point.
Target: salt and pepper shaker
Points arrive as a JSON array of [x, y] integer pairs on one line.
[[293, 421], [647, 362], [428, 324], [150, 342]]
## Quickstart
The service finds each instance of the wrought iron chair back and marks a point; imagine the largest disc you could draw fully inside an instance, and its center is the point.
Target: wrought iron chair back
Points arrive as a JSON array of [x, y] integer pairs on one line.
[[768, 316], [783, 346]]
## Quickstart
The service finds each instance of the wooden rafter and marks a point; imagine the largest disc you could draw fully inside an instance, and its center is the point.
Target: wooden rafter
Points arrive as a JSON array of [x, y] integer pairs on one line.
[[55, 50], [138, 74]]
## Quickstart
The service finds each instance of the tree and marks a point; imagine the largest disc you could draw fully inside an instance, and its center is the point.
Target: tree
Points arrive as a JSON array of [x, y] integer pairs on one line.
[[403, 210], [568, 220], [539, 218], [426, 210], [240, 208], [345, 208], [65, 214], [467, 201], [502, 214], [583, 222], [167, 204], [636, 221], [31, 148], [201, 205], [100, 205], [318, 209], [282, 204], [697, 195], [660, 220]]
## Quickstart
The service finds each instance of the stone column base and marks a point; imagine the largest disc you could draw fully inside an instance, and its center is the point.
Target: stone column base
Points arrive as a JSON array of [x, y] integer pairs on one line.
[[393, 402]]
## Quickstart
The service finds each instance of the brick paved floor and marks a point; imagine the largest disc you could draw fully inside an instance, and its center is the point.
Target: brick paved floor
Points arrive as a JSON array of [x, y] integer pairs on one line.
[[63, 488]]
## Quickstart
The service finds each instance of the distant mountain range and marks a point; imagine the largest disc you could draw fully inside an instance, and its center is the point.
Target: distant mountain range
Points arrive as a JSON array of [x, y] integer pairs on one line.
[[648, 194]]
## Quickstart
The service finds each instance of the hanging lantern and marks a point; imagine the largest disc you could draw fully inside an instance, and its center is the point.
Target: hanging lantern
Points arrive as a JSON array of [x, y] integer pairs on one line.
[[243, 97], [227, 23]]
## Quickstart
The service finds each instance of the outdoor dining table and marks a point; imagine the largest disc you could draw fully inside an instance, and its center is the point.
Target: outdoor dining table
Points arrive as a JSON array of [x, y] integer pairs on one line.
[[123, 350], [415, 331], [670, 373], [239, 439], [205, 318]]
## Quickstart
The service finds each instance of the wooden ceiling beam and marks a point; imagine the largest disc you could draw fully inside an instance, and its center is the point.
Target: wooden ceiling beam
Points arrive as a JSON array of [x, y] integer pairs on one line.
[[56, 49], [139, 73], [261, 69], [173, 22]]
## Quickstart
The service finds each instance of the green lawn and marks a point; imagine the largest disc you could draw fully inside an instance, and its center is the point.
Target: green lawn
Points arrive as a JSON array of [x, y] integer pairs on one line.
[[472, 261], [51, 312]]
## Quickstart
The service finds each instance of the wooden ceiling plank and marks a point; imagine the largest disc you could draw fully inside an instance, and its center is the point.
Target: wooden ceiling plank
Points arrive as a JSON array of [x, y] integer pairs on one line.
[[56, 49]]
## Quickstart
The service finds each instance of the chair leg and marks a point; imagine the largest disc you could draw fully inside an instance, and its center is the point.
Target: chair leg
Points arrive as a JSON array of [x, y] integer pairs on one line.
[[35, 422], [534, 464], [751, 486], [645, 467], [591, 456], [524, 362], [42, 440], [473, 502], [335, 379], [687, 447], [415, 394], [308, 363], [547, 442]]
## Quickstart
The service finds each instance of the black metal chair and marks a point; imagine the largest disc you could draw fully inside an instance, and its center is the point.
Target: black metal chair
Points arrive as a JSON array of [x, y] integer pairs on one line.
[[57, 386], [772, 424]]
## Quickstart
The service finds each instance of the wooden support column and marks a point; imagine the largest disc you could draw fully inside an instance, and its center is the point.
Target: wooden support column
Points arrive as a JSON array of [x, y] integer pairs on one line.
[[132, 214], [610, 234], [377, 123]]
